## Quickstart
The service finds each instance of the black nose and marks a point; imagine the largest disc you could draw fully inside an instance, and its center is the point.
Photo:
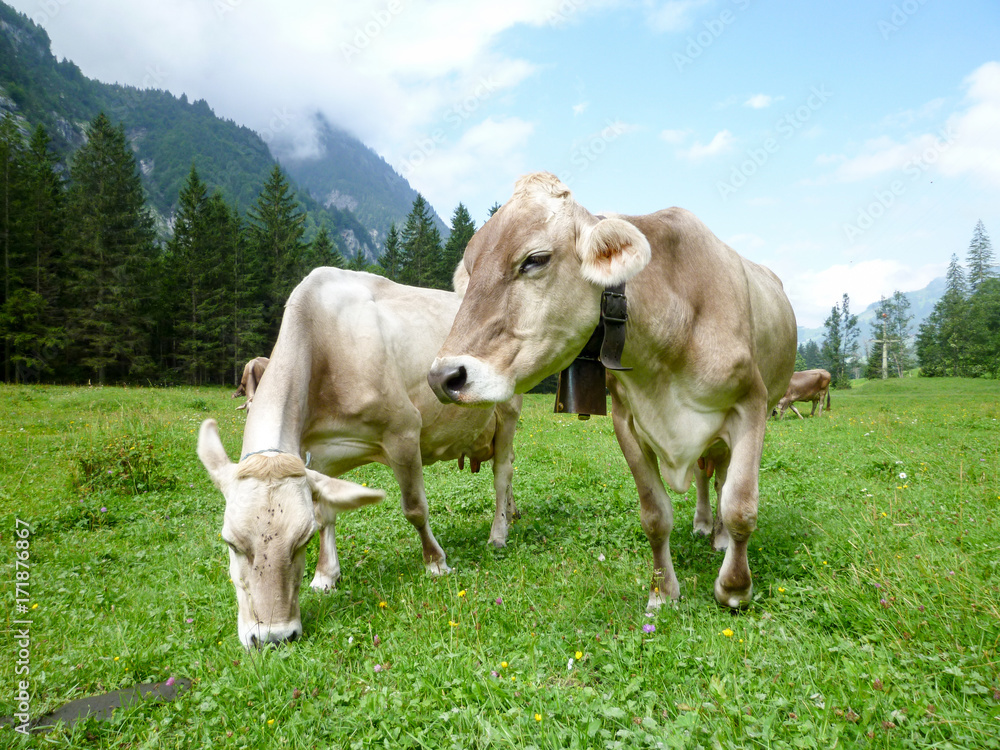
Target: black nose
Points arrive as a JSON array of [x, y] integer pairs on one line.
[[447, 382]]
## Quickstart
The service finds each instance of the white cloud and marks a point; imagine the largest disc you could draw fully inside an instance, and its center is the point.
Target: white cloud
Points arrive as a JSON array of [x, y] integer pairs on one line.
[[674, 137], [976, 131], [761, 101], [969, 143], [720, 144], [579, 109], [814, 293], [451, 172], [673, 15]]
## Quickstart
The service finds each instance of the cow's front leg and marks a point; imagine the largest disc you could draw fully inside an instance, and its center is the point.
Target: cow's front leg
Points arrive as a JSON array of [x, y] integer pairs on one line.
[[327, 564], [408, 469], [656, 512], [738, 501], [503, 472]]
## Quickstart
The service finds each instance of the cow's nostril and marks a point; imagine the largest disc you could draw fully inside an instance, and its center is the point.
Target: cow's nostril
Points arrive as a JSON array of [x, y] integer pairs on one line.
[[448, 382], [456, 380]]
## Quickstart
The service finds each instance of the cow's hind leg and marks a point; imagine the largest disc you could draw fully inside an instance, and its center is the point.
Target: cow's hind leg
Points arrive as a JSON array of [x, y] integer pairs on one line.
[[404, 459], [655, 509], [503, 472], [327, 564]]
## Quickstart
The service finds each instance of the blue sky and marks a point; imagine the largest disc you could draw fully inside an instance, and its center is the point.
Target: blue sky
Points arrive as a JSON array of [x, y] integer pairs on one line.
[[849, 146]]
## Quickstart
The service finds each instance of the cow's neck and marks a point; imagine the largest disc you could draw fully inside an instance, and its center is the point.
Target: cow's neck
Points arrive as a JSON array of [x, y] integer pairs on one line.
[[278, 412]]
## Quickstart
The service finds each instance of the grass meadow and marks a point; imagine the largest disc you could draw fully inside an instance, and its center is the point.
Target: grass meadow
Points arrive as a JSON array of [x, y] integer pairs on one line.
[[875, 621]]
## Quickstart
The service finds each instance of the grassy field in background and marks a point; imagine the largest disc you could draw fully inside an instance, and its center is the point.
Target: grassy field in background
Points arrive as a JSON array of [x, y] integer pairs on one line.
[[875, 622]]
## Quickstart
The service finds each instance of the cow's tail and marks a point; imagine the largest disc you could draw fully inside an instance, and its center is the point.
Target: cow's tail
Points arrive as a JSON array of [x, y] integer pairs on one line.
[[828, 399]]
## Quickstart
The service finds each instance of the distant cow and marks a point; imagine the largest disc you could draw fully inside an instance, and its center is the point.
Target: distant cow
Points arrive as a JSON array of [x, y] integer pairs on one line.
[[808, 385], [347, 386], [710, 339], [252, 372]]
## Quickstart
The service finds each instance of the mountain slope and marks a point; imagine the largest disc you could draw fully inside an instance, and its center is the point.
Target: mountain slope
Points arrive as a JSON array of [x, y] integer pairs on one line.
[[167, 133], [922, 302], [349, 175]]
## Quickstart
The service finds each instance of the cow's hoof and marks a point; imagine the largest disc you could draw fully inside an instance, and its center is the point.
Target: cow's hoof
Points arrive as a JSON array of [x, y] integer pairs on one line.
[[498, 542], [735, 599], [322, 582], [703, 528], [438, 568]]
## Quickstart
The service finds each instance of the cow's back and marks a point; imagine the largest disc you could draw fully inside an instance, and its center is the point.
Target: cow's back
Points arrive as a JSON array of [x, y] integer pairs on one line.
[[707, 307], [372, 342]]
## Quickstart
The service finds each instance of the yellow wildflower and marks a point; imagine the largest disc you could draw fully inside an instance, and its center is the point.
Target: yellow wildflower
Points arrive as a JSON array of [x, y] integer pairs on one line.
[[728, 633], [579, 655]]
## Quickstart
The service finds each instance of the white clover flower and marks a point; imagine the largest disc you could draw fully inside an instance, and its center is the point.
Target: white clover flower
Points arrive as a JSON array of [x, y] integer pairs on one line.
[[902, 475]]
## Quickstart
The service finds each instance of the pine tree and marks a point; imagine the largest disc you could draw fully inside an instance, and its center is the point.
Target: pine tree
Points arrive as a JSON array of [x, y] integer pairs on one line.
[[323, 252], [840, 347], [943, 336], [979, 258], [462, 229], [392, 259], [110, 251], [422, 247], [11, 148], [277, 226], [40, 339], [196, 262], [983, 330]]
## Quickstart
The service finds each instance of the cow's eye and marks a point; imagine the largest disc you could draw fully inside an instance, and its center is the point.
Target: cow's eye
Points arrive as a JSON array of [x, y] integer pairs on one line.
[[534, 262]]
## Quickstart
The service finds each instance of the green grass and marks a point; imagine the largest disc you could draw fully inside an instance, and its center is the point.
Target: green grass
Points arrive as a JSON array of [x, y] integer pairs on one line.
[[875, 621]]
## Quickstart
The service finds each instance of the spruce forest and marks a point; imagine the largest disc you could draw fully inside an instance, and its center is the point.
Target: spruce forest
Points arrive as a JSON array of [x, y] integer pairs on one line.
[[91, 294]]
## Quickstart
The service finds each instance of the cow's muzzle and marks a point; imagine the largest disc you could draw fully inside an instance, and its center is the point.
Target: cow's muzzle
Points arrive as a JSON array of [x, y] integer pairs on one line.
[[447, 381]]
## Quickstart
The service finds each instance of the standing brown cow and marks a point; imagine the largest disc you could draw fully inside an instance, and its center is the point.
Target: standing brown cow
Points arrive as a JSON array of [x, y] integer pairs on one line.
[[808, 385]]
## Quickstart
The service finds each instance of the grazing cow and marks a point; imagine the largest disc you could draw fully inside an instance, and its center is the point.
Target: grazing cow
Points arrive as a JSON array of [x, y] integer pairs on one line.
[[346, 385], [808, 385], [252, 371], [710, 339]]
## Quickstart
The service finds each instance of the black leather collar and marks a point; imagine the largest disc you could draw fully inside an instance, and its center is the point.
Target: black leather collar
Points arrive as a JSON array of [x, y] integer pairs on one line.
[[614, 314]]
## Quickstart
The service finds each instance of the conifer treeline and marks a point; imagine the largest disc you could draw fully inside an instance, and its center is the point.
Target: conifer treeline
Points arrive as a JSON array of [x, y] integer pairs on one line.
[[961, 336], [90, 295]]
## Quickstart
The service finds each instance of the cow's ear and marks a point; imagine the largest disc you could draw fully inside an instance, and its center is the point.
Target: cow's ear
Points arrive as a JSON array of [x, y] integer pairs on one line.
[[332, 496], [211, 452], [612, 251], [460, 281]]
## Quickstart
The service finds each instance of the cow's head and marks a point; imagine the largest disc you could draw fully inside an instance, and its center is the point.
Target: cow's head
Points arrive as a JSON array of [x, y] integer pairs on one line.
[[274, 505], [535, 272]]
